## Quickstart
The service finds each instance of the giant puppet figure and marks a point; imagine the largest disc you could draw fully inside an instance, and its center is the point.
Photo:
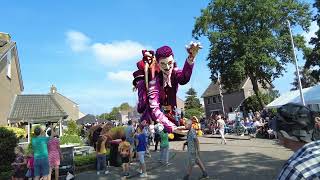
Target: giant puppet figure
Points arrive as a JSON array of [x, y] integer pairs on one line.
[[157, 80]]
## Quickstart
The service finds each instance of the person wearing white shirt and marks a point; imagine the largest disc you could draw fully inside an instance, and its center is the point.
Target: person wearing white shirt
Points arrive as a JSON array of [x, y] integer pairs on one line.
[[221, 125], [152, 131]]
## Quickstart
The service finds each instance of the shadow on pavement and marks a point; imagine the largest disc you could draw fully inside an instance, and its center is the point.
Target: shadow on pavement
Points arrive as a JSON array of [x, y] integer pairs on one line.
[[224, 165], [220, 164]]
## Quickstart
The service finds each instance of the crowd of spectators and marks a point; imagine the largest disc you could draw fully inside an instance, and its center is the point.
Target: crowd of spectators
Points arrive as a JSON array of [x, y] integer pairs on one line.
[[260, 123]]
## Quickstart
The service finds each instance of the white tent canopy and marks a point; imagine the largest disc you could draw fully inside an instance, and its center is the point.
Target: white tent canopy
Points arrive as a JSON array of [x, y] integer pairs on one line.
[[311, 96]]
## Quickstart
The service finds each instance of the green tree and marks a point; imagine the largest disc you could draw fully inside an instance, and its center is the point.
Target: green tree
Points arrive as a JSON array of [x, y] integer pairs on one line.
[[191, 100], [125, 107], [307, 80], [252, 102], [313, 55], [193, 106], [114, 113], [250, 39], [273, 94]]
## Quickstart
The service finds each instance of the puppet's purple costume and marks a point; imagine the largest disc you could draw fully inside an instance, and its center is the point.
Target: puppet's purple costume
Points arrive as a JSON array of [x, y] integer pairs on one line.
[[161, 91]]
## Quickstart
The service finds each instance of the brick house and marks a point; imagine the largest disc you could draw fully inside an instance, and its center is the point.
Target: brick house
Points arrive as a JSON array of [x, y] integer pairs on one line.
[[11, 83], [231, 100]]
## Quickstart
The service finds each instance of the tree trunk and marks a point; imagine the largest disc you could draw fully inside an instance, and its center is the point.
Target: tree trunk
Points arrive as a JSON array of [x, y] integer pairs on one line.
[[255, 86]]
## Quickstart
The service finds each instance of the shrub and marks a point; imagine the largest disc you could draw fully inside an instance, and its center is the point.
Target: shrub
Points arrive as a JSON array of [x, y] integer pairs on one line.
[[8, 141], [117, 132], [189, 113], [252, 102], [85, 160], [19, 132], [70, 139], [6, 174], [73, 128]]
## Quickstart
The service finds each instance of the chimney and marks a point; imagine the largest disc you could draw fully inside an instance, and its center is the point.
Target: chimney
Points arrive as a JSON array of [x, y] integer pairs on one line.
[[4, 39], [53, 89]]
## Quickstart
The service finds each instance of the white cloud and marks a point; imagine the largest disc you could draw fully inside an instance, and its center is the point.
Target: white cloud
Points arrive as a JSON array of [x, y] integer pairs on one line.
[[120, 76], [107, 53], [308, 35], [117, 51], [78, 41]]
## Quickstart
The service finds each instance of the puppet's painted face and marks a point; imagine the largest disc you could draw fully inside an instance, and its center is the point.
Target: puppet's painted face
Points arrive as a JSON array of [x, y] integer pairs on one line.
[[166, 64]]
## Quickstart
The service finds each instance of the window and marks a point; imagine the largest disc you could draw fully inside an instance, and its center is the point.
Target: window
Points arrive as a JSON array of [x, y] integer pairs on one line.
[[9, 58], [208, 100], [214, 100]]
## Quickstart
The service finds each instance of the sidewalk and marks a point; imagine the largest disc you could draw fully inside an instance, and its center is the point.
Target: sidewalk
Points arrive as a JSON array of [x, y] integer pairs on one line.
[[229, 136], [116, 172]]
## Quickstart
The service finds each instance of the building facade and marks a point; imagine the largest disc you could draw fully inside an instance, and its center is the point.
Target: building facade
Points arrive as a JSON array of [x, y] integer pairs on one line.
[[231, 100], [11, 83], [69, 106], [123, 116]]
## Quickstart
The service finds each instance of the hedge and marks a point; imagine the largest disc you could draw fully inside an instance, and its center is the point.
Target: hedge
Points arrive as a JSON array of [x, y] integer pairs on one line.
[[19, 132], [85, 160], [6, 174], [70, 139], [8, 141]]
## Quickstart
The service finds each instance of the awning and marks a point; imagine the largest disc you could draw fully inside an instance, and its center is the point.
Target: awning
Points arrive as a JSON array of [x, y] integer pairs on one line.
[[311, 96]]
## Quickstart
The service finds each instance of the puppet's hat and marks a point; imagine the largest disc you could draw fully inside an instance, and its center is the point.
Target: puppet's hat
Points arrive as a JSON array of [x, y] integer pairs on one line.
[[163, 52]]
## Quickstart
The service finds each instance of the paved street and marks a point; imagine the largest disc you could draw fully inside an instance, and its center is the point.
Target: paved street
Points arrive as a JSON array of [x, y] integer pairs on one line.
[[240, 159]]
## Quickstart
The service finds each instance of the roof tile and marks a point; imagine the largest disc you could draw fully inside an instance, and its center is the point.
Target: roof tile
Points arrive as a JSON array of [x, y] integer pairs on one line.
[[33, 107]]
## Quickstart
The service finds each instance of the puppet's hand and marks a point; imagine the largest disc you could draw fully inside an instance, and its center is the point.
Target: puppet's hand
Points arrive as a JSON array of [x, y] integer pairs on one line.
[[193, 49]]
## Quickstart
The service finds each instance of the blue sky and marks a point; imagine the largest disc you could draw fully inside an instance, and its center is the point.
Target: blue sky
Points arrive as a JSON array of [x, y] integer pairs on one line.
[[88, 50]]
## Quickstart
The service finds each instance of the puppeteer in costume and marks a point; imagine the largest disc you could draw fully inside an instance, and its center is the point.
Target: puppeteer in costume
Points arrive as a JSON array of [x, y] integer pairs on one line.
[[157, 80]]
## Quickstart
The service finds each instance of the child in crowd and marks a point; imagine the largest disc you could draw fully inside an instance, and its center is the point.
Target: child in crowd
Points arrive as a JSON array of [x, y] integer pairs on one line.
[[164, 147], [157, 135], [147, 133], [101, 155], [152, 132], [18, 164], [124, 150], [30, 166], [193, 152], [141, 150], [196, 125]]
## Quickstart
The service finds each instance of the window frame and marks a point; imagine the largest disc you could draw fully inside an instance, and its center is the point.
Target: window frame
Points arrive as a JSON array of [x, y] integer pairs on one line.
[[9, 63]]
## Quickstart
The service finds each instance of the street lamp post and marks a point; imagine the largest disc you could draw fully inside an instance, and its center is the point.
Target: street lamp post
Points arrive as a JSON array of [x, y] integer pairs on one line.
[[296, 64]]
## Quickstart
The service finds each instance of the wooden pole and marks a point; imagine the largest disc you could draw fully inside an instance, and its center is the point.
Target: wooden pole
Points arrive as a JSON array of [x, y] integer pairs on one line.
[[29, 132], [60, 127]]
